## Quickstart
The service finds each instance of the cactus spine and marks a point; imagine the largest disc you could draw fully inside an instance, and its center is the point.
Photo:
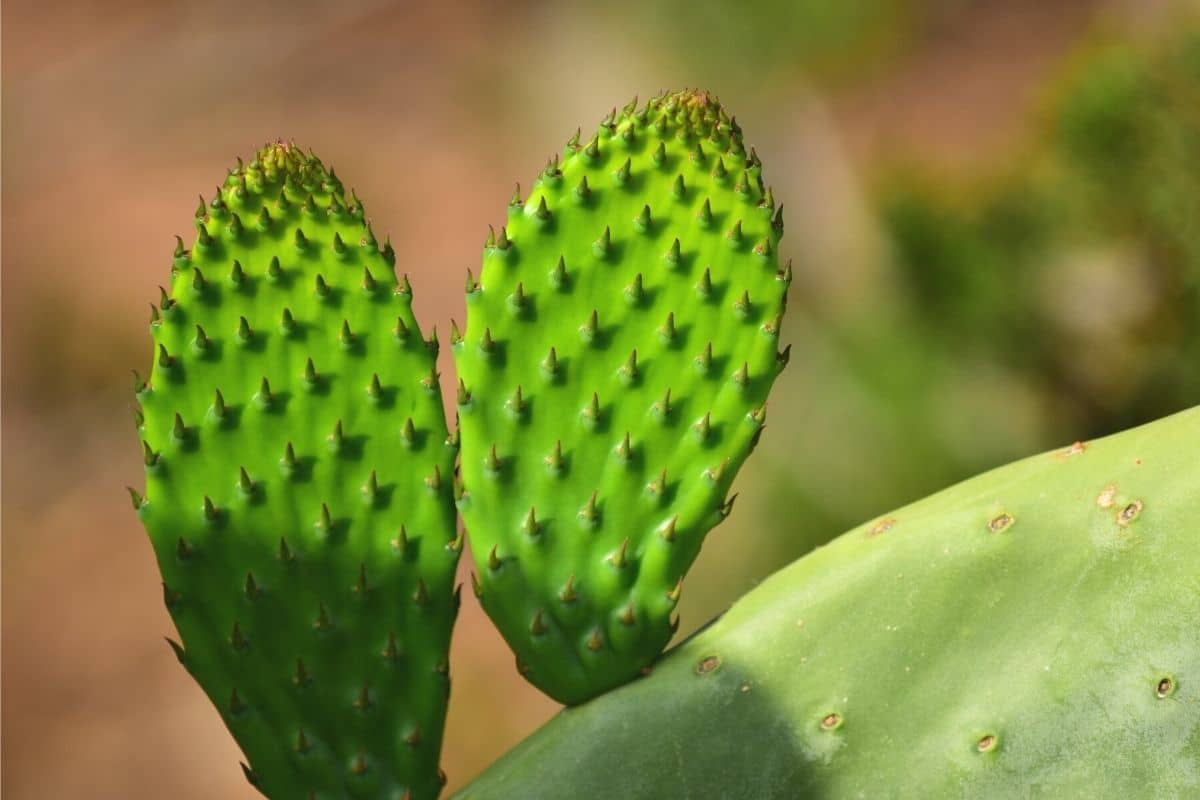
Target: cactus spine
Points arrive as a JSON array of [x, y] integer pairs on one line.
[[619, 347]]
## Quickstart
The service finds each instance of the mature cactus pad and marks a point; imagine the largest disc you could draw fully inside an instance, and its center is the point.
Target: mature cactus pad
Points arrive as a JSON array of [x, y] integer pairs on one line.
[[620, 343], [1033, 632], [298, 488]]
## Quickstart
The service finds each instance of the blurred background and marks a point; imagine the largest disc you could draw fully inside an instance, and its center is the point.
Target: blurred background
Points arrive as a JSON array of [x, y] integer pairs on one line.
[[992, 209]]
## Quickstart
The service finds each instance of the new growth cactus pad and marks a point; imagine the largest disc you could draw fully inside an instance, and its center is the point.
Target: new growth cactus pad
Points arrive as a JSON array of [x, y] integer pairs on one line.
[[619, 347], [1031, 632], [298, 488]]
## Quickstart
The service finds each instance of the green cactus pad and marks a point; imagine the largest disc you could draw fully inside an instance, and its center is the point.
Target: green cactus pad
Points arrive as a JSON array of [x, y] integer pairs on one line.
[[298, 488], [619, 347], [1028, 633]]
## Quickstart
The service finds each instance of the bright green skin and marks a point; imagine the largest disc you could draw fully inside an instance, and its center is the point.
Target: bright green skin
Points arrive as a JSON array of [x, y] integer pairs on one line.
[[310, 605], [615, 617], [947, 655]]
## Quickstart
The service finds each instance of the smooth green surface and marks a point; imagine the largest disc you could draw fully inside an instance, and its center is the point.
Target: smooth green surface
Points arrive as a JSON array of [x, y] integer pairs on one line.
[[301, 510], [619, 347], [1032, 632]]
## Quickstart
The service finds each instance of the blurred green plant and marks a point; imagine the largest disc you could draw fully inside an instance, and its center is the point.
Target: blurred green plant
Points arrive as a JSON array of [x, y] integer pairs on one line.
[[1085, 251], [774, 38], [1056, 296]]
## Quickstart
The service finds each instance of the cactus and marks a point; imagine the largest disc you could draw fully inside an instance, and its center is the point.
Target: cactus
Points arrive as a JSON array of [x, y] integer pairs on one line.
[[1030, 632], [619, 347], [298, 487]]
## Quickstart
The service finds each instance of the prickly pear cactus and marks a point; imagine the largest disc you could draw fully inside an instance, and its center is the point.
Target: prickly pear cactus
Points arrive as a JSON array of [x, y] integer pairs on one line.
[[619, 347], [1031, 632], [298, 488]]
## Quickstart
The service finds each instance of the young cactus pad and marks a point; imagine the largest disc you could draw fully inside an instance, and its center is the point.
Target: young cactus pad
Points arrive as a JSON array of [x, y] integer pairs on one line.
[[298, 488], [1029, 633], [619, 347]]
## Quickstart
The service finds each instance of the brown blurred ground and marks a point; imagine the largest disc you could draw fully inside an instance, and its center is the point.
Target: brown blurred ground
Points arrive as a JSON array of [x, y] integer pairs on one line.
[[117, 113]]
